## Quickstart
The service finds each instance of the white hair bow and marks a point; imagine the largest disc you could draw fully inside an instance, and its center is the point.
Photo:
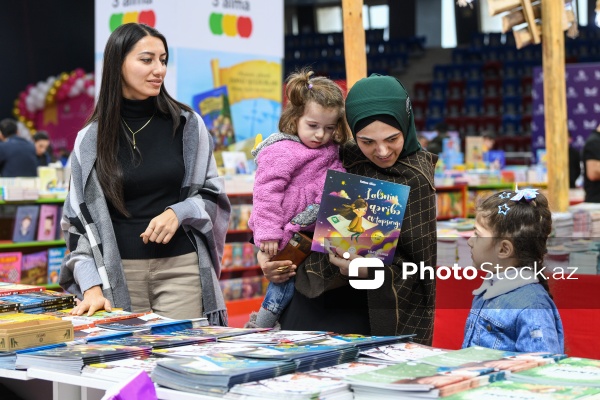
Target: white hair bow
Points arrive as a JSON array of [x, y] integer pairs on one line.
[[527, 194]]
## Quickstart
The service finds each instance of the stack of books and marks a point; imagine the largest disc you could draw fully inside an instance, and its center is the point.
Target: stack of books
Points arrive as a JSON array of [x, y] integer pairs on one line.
[[216, 374], [73, 358], [41, 302]]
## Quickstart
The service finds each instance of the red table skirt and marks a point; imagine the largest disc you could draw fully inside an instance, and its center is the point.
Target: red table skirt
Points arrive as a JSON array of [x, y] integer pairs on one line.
[[578, 302]]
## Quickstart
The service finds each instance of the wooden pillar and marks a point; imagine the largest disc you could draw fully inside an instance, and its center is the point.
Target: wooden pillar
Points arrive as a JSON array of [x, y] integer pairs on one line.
[[354, 41], [555, 104]]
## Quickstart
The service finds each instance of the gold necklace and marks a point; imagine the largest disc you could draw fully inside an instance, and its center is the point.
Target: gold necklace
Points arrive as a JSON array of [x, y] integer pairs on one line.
[[134, 133]]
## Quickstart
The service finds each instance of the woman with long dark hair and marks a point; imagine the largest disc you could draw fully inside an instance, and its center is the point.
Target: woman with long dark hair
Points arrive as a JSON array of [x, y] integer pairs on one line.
[[146, 215]]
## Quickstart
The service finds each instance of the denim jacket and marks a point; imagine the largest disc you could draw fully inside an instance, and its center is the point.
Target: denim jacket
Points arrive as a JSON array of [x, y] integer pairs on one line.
[[514, 315]]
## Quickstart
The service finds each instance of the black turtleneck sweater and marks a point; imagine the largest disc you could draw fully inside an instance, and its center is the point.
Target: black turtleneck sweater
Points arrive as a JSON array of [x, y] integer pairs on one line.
[[152, 180]]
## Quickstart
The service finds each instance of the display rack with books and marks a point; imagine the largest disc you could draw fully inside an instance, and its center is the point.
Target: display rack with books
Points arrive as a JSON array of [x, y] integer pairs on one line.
[[31, 242]]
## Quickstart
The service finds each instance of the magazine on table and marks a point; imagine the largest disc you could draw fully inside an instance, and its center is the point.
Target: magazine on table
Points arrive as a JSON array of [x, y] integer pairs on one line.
[[361, 215]]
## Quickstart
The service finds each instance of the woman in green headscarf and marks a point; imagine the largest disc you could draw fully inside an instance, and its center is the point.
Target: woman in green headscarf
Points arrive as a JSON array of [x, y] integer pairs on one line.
[[379, 113]]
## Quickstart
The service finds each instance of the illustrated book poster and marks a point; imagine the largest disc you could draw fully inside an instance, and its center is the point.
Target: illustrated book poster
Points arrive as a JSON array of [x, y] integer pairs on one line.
[[26, 223], [362, 215], [213, 107], [47, 222]]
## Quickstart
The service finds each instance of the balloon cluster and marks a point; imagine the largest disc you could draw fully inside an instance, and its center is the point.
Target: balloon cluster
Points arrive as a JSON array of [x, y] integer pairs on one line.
[[46, 93]]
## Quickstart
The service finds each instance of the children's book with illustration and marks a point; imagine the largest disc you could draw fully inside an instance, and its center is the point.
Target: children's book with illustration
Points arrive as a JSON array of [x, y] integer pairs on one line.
[[55, 258], [34, 268], [10, 271], [572, 371], [293, 386], [213, 106], [25, 223], [510, 390], [47, 222], [362, 215]]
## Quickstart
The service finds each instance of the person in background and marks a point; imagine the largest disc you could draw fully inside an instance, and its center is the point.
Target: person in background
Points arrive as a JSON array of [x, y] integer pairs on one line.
[[513, 310], [41, 140], [591, 167], [436, 145], [291, 170], [574, 164], [489, 140], [146, 215], [17, 155], [385, 146]]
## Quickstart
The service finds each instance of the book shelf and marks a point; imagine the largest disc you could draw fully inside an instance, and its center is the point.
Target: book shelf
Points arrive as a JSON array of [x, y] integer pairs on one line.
[[38, 251], [243, 285]]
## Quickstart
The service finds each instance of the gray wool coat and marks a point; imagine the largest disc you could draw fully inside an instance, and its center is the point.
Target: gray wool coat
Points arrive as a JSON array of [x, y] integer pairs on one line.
[[93, 258]]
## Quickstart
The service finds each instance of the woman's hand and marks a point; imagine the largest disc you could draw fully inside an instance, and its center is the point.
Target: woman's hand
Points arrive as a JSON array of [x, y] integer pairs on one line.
[[276, 271], [343, 263], [270, 247], [93, 300], [161, 228]]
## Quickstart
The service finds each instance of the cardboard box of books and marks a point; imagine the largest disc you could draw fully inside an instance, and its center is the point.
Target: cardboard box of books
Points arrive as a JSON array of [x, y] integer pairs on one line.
[[21, 335]]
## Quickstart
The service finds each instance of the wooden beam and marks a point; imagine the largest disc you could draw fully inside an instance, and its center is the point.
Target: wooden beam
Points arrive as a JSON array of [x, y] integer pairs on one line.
[[523, 36], [555, 104], [530, 19], [355, 53], [496, 7], [517, 17]]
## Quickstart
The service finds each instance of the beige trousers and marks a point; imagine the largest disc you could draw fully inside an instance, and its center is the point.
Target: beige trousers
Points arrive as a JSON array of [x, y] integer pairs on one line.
[[167, 286]]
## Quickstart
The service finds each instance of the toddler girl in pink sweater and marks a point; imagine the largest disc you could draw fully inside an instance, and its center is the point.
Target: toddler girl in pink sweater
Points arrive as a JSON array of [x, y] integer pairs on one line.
[[290, 174]]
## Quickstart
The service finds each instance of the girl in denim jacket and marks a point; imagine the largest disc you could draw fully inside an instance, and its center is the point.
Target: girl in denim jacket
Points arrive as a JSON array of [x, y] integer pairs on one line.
[[513, 309]]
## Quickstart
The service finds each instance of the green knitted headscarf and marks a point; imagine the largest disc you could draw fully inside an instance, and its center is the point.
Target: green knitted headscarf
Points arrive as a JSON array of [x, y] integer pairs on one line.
[[382, 95]]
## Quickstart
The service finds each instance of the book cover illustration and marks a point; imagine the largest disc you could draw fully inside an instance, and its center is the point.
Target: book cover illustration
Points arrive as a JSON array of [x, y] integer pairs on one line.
[[399, 352], [362, 215], [47, 222], [119, 369], [220, 331], [34, 268], [509, 390], [411, 376], [298, 385], [572, 371], [25, 223], [55, 258], [279, 337], [195, 350], [10, 271], [213, 106]]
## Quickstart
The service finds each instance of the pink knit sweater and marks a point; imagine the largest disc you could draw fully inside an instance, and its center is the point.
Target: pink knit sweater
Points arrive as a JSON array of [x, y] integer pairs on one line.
[[289, 177]]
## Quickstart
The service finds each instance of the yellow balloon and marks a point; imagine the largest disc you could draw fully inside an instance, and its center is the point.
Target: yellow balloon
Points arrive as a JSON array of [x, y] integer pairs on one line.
[[16, 111], [21, 118], [57, 84], [64, 76], [52, 91], [29, 124]]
